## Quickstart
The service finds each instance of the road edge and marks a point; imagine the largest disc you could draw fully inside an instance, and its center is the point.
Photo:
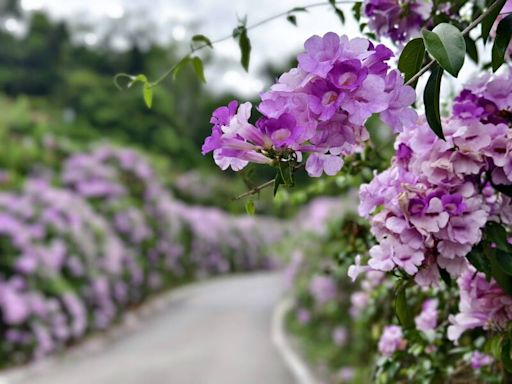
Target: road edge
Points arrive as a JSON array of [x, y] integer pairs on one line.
[[294, 362]]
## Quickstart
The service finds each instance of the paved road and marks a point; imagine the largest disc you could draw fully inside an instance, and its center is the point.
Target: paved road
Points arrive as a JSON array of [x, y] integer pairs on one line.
[[217, 332]]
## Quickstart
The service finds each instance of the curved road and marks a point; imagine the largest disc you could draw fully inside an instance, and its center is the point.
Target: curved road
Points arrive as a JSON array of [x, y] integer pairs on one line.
[[216, 332]]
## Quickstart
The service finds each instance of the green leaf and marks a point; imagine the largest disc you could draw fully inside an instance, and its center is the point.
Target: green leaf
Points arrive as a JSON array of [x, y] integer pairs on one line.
[[147, 92], [503, 279], [471, 49], [202, 39], [493, 346], [179, 67], [298, 9], [340, 15], [497, 234], [504, 260], [245, 48], [506, 357], [250, 208], [138, 79], [489, 20], [356, 9], [431, 101], [198, 68], [501, 42], [292, 19], [446, 44], [477, 258], [402, 310], [338, 11], [411, 58]]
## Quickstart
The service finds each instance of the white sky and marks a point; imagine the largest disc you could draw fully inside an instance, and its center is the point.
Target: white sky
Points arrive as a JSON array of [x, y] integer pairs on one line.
[[274, 42]]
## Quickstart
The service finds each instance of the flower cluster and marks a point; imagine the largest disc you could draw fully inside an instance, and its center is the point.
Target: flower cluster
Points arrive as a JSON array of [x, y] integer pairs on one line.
[[398, 20], [437, 195], [318, 108], [483, 304], [487, 99]]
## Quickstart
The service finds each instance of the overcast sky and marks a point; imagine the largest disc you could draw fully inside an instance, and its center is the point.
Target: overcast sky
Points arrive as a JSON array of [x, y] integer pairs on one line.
[[178, 20]]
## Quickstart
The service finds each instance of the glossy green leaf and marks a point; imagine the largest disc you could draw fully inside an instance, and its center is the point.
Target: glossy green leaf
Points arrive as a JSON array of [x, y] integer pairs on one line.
[[250, 208], [198, 68], [147, 92], [489, 20], [446, 44], [202, 39], [431, 101], [245, 48], [411, 58], [501, 42]]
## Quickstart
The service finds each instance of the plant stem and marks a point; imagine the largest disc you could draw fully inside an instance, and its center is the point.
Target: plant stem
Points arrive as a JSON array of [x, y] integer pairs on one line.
[[255, 190]]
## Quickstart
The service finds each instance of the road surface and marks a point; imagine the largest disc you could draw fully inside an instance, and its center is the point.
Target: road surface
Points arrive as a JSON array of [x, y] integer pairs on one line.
[[216, 332]]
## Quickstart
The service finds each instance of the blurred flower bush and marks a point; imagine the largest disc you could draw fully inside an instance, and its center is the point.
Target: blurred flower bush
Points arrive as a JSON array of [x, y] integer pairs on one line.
[[97, 234]]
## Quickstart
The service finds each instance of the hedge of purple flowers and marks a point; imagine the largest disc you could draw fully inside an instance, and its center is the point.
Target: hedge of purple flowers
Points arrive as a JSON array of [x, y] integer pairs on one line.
[[84, 244]]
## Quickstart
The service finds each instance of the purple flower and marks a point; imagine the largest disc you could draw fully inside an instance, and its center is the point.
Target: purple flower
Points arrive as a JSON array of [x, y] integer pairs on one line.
[[480, 360], [323, 289], [321, 54], [340, 336], [391, 340], [427, 320], [319, 163], [303, 316], [396, 19]]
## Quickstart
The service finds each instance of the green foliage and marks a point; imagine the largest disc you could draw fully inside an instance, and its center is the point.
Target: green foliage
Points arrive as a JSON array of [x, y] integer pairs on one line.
[[446, 44], [431, 101], [403, 311], [411, 59], [250, 208], [489, 20], [501, 42], [202, 39], [245, 47]]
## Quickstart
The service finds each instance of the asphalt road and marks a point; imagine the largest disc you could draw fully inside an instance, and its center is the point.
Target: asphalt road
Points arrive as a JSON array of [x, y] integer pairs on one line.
[[216, 332]]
